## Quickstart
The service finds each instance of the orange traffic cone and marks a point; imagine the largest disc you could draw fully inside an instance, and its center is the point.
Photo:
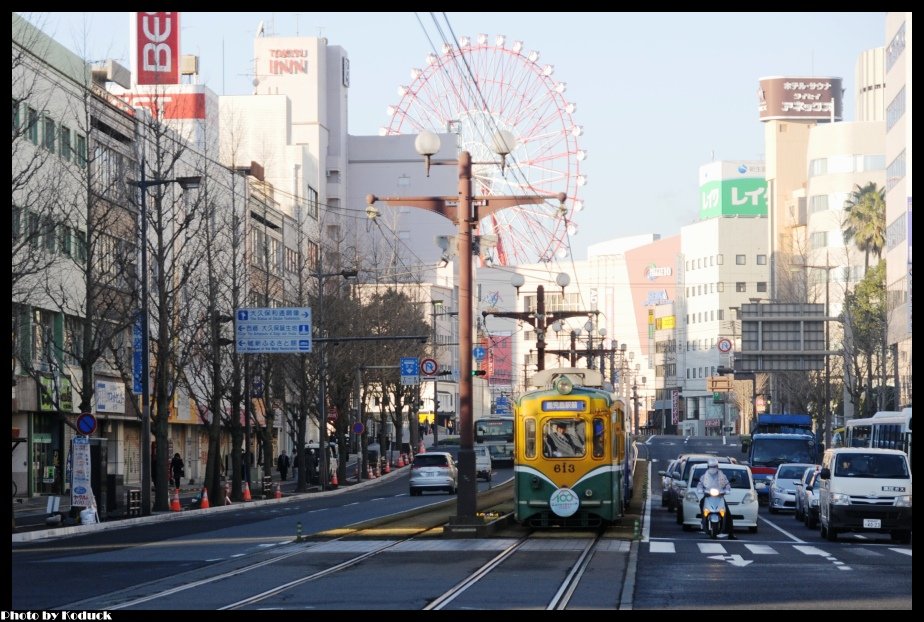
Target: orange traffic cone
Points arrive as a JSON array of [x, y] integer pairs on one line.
[[387, 467], [247, 496], [204, 502], [420, 448], [369, 471], [333, 479], [278, 491], [400, 460], [175, 501]]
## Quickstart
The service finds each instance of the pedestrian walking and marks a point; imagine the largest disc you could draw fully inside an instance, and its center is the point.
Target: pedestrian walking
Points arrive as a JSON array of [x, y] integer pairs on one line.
[[282, 463], [178, 469]]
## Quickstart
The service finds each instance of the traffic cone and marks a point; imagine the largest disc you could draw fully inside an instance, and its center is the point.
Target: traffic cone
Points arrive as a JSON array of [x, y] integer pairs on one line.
[[400, 460], [278, 491], [333, 479], [369, 471], [387, 467], [175, 501], [247, 496], [204, 502], [420, 448]]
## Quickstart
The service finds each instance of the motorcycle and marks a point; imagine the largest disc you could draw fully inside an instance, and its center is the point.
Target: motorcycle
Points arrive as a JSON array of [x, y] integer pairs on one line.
[[714, 513]]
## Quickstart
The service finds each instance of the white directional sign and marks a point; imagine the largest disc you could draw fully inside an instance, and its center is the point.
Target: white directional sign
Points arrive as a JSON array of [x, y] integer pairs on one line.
[[273, 331]]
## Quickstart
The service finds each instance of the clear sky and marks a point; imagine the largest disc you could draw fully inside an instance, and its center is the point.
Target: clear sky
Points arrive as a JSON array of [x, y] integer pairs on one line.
[[658, 94]]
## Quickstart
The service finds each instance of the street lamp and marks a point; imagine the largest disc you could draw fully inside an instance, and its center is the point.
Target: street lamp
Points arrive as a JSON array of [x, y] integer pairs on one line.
[[470, 210], [186, 183]]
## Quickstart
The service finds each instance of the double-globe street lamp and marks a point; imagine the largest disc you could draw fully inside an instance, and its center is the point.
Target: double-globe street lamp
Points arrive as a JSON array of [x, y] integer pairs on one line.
[[186, 183], [470, 210]]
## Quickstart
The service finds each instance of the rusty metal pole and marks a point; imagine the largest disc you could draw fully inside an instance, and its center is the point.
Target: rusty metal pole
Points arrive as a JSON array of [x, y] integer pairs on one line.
[[465, 221]]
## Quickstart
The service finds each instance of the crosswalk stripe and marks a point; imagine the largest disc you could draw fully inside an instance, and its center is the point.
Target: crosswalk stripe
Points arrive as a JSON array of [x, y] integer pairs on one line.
[[662, 547]]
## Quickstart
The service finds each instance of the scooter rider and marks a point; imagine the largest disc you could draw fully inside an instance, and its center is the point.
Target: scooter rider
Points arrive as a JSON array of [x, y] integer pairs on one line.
[[715, 478]]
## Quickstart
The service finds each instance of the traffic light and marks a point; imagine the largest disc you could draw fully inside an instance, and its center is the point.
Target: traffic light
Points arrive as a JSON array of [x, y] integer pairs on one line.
[[479, 372]]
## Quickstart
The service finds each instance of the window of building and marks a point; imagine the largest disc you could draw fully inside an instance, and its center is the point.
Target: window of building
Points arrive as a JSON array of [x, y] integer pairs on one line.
[[895, 172], [896, 109], [312, 196], [64, 145], [895, 48], [720, 287], [32, 125], [719, 259], [761, 260], [720, 314], [81, 155], [291, 260], [49, 133], [818, 167], [819, 239], [762, 286], [741, 286], [740, 260], [818, 203]]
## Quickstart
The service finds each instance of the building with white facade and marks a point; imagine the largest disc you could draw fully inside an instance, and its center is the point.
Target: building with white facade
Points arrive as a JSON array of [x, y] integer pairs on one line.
[[899, 158]]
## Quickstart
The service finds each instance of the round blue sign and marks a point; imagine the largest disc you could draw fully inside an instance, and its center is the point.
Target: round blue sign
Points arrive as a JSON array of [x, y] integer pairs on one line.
[[86, 424], [478, 353]]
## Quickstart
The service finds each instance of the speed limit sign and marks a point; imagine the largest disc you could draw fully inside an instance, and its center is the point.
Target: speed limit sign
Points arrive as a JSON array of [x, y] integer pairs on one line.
[[428, 367], [724, 345]]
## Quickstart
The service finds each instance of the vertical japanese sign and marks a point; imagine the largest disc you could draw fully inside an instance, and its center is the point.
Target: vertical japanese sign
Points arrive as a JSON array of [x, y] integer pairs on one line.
[[81, 490]]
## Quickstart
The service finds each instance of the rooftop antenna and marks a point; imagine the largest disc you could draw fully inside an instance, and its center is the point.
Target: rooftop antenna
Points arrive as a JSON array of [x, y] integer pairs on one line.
[[296, 23]]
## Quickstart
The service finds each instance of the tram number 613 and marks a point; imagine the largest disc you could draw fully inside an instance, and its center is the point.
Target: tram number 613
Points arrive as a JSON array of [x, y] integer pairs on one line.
[[564, 468]]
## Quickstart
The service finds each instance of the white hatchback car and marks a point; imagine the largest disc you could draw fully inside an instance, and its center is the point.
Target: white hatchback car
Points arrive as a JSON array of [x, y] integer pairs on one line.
[[742, 500], [434, 470]]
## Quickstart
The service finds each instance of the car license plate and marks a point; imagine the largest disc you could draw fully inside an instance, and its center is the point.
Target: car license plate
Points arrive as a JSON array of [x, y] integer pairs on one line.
[[872, 523]]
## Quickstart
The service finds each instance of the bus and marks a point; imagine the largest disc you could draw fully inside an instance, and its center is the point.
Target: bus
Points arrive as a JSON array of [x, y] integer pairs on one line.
[[888, 429], [496, 431]]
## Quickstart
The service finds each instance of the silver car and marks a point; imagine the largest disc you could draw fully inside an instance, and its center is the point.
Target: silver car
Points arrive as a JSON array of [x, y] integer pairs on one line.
[[783, 486], [435, 470]]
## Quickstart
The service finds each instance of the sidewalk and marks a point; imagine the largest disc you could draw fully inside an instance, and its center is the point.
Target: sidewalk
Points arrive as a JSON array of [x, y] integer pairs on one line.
[[30, 513]]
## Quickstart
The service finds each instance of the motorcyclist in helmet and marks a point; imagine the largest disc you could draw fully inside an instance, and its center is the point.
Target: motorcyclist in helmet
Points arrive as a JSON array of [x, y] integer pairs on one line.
[[715, 478]]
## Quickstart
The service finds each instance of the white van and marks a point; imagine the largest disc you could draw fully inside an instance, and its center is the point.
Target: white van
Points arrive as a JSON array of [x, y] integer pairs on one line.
[[864, 489], [483, 466]]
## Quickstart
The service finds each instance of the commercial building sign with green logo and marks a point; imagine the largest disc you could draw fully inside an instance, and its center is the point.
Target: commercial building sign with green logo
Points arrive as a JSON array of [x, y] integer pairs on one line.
[[733, 197]]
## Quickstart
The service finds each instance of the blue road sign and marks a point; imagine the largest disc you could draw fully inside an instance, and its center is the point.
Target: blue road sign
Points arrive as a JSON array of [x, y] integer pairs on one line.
[[136, 354], [86, 423], [410, 366], [478, 353], [283, 330]]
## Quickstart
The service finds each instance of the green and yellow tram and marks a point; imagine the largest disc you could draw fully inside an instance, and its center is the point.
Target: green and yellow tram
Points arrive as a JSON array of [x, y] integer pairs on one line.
[[570, 466]]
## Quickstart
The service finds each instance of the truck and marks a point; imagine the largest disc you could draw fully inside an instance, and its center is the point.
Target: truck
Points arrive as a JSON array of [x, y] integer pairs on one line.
[[767, 451], [782, 424]]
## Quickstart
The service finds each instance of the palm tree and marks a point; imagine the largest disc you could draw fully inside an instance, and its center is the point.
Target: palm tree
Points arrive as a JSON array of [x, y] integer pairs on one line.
[[865, 219]]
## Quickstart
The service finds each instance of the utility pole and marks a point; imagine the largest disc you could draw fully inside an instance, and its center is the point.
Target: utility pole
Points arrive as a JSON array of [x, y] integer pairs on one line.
[[540, 320]]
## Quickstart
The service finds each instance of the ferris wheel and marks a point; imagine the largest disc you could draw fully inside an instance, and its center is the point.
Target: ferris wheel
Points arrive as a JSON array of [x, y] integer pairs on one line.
[[477, 89]]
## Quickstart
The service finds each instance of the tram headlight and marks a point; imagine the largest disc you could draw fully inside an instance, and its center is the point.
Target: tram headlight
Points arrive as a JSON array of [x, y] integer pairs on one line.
[[564, 385], [534, 483], [588, 493]]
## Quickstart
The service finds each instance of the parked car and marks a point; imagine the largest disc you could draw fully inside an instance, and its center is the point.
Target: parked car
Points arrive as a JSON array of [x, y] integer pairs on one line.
[[483, 468], [742, 500], [434, 470], [783, 486], [666, 480], [681, 477]]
